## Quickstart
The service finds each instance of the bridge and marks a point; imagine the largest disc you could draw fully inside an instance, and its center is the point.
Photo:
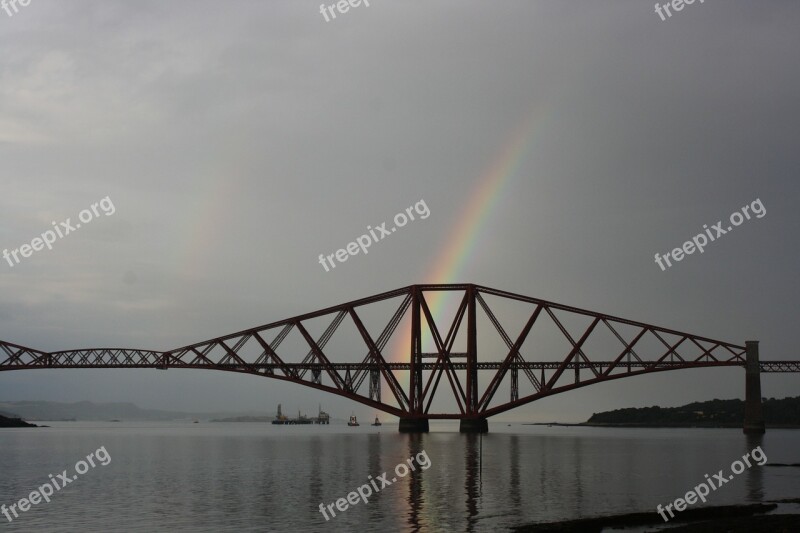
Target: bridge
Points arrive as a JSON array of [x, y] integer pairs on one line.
[[556, 348]]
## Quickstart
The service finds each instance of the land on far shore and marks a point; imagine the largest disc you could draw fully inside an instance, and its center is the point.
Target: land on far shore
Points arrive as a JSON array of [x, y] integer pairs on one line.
[[119, 412], [14, 422], [90, 411], [783, 413], [244, 419]]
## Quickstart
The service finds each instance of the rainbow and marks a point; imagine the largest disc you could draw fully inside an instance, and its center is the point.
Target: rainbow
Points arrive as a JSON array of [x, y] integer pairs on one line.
[[464, 237], [203, 224], [466, 234]]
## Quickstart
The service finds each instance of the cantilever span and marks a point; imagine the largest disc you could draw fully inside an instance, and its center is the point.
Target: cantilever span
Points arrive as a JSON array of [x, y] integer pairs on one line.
[[480, 340]]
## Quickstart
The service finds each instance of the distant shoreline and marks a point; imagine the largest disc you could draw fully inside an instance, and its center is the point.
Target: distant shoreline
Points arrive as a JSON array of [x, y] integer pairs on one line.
[[6, 422], [654, 425], [778, 414]]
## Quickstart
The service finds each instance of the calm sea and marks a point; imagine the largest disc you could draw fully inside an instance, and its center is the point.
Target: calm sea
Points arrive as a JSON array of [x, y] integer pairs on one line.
[[259, 477]]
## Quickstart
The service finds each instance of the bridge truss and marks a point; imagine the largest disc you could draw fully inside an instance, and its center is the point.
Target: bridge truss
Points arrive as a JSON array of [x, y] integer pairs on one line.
[[435, 330]]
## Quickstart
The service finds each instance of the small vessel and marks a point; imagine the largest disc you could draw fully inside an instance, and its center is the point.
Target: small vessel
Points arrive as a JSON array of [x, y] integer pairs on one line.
[[353, 421], [196, 422], [377, 422]]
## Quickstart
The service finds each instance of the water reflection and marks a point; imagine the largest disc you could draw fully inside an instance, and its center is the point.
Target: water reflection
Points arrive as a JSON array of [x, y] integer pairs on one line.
[[755, 474], [472, 484], [374, 467], [241, 477], [577, 454], [315, 483], [513, 475], [416, 499]]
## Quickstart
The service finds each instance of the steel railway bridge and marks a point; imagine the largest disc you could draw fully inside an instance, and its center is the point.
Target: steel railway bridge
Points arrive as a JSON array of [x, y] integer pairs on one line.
[[599, 348]]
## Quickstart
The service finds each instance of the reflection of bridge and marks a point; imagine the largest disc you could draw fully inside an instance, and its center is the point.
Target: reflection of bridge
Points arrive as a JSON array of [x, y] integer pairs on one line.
[[450, 348]]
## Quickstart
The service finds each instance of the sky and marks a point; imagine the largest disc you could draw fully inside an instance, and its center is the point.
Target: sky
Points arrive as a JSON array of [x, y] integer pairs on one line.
[[558, 146]]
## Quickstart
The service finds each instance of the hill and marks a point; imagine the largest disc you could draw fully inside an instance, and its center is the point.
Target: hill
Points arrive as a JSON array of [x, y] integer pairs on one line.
[[7, 422], [714, 413]]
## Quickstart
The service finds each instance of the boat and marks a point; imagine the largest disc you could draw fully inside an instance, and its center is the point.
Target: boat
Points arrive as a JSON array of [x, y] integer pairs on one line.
[[353, 421], [377, 422]]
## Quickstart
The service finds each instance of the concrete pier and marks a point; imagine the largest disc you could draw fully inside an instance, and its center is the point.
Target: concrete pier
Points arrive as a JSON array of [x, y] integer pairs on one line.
[[753, 415], [414, 425], [473, 425]]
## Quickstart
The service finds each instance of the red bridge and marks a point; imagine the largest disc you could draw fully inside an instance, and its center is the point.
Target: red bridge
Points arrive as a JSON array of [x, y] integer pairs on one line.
[[600, 348]]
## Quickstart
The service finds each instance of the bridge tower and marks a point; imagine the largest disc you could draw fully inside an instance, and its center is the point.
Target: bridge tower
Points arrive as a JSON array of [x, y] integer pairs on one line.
[[473, 423], [417, 422], [470, 421], [753, 415]]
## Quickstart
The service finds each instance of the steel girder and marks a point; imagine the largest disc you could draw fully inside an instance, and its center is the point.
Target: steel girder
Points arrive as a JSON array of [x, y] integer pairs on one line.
[[433, 348]]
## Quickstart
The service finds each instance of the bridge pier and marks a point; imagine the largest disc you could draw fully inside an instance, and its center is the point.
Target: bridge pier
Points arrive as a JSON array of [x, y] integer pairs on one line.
[[473, 425], [753, 415], [414, 425]]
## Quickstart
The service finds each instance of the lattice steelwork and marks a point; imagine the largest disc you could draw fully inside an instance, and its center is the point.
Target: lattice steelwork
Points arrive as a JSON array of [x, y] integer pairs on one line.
[[642, 349]]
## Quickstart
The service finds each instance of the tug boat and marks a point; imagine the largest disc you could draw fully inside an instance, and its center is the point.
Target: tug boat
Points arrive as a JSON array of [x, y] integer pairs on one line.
[[353, 421], [377, 422]]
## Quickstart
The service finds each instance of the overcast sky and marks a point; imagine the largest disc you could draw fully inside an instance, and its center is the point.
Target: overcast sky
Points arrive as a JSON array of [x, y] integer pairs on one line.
[[240, 140]]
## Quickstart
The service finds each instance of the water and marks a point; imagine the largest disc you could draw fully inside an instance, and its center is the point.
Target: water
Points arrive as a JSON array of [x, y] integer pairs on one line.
[[259, 477]]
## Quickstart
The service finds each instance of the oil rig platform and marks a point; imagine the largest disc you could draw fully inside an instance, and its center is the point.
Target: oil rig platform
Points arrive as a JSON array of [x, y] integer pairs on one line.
[[282, 420]]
